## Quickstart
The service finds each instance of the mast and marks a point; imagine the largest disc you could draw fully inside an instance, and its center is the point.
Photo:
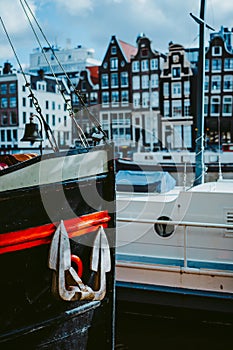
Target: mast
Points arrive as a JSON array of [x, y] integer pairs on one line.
[[199, 169]]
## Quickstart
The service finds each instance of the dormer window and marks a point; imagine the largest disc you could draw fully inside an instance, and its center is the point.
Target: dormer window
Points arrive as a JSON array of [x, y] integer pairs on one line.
[[144, 52], [41, 85], [176, 72], [113, 50], [216, 51]]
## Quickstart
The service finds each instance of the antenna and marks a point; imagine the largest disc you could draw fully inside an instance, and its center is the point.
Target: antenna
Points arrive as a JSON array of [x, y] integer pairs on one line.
[[35, 102], [77, 93]]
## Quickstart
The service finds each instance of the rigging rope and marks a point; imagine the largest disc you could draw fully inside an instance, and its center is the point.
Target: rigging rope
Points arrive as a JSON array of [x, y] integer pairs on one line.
[[67, 101], [35, 102], [77, 93]]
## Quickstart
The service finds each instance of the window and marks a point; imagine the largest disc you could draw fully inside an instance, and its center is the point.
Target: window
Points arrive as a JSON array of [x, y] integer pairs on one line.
[[216, 83], [65, 120], [53, 105], [113, 50], [206, 104], [53, 120], [41, 86], [124, 97], [12, 88], [135, 66], [136, 82], [176, 72], [24, 117], [136, 100], [176, 108], [166, 107], [144, 52], [228, 82], [8, 133], [216, 65], [105, 98], [13, 118], [227, 105], [94, 97], [154, 80], [155, 99], [216, 50], [104, 80], [115, 98], [207, 65], [187, 135], [3, 89], [145, 99], [114, 63], [154, 63], [47, 104], [177, 136], [145, 81], [144, 65], [124, 79], [187, 88], [13, 102], [4, 119], [206, 83], [215, 105], [228, 64], [166, 89], [4, 102], [83, 85], [187, 108], [176, 89], [3, 135], [114, 79]]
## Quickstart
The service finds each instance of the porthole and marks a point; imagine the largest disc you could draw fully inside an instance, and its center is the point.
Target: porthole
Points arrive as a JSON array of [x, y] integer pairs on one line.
[[164, 230]]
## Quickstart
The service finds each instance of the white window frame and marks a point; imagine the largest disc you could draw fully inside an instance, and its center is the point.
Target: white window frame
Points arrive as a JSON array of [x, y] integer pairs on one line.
[[136, 82], [135, 66]]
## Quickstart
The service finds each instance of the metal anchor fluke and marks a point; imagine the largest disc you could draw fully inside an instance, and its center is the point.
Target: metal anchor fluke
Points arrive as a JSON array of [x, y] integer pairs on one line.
[[66, 284]]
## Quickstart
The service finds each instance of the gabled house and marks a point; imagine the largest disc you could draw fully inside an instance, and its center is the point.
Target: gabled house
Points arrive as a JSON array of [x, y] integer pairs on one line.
[[16, 108], [115, 91], [219, 89], [145, 71], [88, 87], [178, 102]]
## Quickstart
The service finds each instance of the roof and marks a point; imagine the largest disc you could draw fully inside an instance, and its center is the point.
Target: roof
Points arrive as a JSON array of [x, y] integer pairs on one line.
[[128, 49], [94, 73]]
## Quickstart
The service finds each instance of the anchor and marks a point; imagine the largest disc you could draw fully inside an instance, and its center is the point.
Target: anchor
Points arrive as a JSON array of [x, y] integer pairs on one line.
[[66, 284]]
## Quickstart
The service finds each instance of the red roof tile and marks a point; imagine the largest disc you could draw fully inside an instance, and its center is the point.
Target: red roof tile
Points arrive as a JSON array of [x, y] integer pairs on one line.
[[128, 49], [94, 72]]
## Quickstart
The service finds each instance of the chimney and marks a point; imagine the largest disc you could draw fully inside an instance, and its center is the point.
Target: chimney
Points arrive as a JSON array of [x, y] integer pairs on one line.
[[7, 68], [40, 73]]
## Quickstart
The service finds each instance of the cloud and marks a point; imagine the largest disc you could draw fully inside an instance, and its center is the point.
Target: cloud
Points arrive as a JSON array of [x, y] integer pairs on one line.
[[75, 7], [92, 22]]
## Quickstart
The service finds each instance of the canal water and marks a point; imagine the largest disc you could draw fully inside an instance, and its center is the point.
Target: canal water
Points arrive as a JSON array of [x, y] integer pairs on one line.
[[140, 327]]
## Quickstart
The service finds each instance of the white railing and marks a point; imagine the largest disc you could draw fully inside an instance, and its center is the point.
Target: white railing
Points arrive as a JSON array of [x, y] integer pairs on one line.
[[185, 224]]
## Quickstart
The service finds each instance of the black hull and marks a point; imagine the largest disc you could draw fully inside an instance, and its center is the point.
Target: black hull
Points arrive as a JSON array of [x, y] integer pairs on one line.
[[31, 316]]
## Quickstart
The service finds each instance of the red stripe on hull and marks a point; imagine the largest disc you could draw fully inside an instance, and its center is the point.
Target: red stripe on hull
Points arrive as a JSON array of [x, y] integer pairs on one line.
[[35, 236]]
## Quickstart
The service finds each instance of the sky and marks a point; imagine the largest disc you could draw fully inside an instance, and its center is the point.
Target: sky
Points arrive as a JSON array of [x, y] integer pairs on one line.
[[91, 23]]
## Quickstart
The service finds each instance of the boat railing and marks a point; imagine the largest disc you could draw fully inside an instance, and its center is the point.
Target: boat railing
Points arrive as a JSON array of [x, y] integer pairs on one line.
[[185, 225]]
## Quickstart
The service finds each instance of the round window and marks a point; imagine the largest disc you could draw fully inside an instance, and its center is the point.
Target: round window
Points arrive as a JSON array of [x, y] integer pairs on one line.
[[164, 230]]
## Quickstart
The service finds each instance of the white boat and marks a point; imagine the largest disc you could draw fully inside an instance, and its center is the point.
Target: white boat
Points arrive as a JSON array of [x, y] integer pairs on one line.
[[176, 247]]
